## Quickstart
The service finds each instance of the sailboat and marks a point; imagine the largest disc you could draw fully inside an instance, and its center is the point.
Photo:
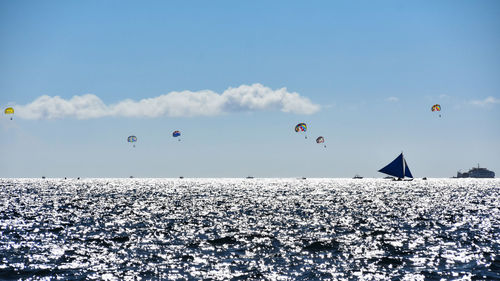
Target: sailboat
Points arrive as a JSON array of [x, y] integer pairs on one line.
[[398, 168]]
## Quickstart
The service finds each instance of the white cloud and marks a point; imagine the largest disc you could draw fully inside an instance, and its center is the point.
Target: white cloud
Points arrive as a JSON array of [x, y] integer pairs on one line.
[[175, 104], [487, 101], [392, 99]]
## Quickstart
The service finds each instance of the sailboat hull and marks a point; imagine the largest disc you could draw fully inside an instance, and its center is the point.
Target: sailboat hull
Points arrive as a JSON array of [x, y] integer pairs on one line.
[[400, 179]]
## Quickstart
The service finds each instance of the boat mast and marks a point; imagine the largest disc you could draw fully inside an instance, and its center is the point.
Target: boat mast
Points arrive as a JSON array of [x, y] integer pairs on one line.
[[403, 159]]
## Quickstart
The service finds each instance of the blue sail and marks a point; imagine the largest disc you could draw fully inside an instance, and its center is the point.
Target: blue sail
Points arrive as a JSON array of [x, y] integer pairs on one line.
[[395, 168], [407, 171]]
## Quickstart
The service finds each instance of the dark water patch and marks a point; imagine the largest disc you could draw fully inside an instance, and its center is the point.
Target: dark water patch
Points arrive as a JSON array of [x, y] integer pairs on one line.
[[187, 258], [16, 274], [389, 261], [56, 229], [120, 239], [222, 241], [317, 246], [495, 264], [432, 275]]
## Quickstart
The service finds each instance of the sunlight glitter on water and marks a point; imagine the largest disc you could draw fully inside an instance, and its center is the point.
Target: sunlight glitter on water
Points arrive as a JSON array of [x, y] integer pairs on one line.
[[276, 229]]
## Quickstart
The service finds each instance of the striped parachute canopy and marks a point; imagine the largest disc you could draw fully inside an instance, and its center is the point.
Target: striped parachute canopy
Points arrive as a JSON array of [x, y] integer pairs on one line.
[[176, 134], [132, 139], [301, 127], [320, 140], [436, 107]]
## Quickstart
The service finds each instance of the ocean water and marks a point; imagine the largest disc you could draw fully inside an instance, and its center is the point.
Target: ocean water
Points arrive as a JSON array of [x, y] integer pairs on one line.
[[240, 229]]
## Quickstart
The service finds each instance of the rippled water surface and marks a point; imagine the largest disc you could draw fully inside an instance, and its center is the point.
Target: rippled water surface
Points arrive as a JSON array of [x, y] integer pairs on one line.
[[269, 229]]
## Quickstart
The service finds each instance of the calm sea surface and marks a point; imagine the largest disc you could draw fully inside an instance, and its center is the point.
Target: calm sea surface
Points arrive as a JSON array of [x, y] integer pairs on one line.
[[238, 229]]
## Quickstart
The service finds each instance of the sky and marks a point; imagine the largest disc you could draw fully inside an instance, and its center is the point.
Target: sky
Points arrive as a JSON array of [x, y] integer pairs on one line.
[[235, 77]]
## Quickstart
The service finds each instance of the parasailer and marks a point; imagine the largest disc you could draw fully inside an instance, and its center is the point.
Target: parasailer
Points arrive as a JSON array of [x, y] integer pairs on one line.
[[436, 108], [9, 110], [132, 139], [176, 134], [320, 139], [301, 127]]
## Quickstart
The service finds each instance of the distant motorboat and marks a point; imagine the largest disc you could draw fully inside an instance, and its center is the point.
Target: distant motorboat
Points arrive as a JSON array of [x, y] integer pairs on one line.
[[249, 177], [181, 177], [398, 168], [357, 177]]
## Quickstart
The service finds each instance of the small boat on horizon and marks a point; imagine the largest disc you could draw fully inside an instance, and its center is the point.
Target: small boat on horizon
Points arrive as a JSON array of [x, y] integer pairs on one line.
[[398, 169], [357, 177]]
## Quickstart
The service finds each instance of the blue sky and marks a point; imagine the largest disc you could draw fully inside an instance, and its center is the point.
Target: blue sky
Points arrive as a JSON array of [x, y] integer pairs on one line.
[[363, 74]]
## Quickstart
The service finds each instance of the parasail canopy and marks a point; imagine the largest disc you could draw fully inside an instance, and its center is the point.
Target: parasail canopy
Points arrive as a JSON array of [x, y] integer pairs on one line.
[[301, 127], [9, 110]]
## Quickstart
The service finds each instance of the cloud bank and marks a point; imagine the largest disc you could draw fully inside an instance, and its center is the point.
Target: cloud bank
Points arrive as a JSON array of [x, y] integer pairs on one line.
[[254, 97], [487, 101]]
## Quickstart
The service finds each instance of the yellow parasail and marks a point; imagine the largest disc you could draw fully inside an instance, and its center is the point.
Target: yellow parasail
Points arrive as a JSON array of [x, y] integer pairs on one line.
[[9, 110]]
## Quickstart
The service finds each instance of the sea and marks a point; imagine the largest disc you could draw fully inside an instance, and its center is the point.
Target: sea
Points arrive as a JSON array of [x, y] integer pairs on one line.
[[249, 229]]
